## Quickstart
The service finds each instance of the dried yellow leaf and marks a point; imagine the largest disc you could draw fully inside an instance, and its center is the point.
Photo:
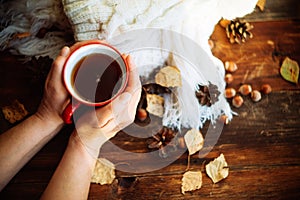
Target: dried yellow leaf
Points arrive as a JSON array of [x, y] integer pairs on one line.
[[289, 70], [155, 104], [191, 181], [169, 76], [217, 169], [194, 141], [14, 112], [104, 172], [261, 4]]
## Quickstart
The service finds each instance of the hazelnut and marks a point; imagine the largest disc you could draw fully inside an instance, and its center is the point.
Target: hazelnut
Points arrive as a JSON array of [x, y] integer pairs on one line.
[[224, 119], [255, 95], [245, 89], [142, 114], [266, 89], [228, 78], [230, 66], [230, 92], [237, 101]]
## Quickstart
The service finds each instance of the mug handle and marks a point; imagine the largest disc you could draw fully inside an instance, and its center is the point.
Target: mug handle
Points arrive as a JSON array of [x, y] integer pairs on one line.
[[69, 111]]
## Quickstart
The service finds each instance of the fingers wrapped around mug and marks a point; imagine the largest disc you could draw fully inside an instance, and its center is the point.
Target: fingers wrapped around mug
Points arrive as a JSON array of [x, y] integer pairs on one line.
[[101, 124]]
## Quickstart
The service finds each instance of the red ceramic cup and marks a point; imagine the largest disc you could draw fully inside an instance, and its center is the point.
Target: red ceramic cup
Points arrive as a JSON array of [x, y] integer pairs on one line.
[[94, 74]]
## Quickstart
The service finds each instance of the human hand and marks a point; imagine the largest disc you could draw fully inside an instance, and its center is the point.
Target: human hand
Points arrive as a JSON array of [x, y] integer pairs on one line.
[[96, 127], [55, 97]]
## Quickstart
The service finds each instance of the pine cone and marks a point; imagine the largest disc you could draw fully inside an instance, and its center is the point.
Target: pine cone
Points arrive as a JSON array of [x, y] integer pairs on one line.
[[162, 139], [238, 31], [208, 95]]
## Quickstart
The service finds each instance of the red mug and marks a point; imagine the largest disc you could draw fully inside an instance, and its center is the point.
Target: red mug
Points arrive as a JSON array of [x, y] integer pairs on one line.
[[94, 74]]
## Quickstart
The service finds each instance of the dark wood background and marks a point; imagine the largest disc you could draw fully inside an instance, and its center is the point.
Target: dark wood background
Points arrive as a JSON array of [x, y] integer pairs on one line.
[[261, 144]]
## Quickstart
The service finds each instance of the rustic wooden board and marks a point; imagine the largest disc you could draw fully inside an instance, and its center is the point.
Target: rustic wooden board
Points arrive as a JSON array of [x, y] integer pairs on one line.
[[261, 144], [276, 10], [260, 58]]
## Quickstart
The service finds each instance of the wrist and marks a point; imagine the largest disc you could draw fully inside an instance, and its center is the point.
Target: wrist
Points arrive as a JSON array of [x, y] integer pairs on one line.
[[48, 119], [91, 145], [51, 124]]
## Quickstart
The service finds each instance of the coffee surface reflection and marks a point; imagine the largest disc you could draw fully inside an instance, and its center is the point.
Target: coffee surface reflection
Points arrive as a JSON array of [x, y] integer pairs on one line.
[[97, 77]]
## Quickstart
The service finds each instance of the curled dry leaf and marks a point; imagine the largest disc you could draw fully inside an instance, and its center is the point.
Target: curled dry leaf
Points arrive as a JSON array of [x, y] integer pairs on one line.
[[290, 70], [155, 104], [217, 169], [261, 4], [169, 76], [191, 181], [194, 141], [14, 112], [104, 172]]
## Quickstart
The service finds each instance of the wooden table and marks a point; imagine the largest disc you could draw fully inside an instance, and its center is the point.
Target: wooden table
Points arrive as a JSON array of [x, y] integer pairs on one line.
[[261, 144]]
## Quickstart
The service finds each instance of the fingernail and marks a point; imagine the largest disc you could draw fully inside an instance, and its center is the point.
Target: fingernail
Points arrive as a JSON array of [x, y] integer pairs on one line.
[[129, 59], [65, 51]]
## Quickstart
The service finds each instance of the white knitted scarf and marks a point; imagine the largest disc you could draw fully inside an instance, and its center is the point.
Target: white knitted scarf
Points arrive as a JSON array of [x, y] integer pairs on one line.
[[130, 25]]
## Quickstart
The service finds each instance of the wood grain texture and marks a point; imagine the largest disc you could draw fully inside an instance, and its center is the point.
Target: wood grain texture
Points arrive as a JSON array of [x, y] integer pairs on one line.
[[277, 10], [260, 58], [261, 144]]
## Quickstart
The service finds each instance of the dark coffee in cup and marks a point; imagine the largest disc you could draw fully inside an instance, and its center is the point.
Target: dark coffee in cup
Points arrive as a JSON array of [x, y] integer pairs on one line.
[[97, 77], [94, 74]]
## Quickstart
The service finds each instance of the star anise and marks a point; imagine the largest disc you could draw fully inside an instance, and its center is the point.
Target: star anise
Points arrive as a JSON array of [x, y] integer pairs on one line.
[[208, 95], [162, 140], [153, 88]]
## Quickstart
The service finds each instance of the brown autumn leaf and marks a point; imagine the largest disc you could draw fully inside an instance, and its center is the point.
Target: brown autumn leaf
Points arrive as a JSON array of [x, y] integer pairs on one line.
[[104, 172], [155, 104], [217, 169], [14, 112], [191, 181], [169, 76], [194, 141], [261, 4], [289, 70]]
